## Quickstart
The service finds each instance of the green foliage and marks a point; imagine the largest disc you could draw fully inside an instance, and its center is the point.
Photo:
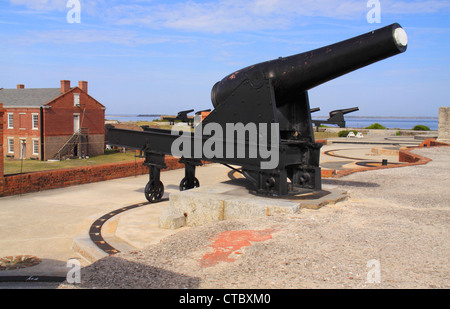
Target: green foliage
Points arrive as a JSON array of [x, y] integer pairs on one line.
[[344, 133], [376, 126], [421, 128]]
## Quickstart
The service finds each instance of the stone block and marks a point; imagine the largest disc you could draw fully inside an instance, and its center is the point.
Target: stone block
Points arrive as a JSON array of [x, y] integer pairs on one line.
[[444, 124], [244, 208], [198, 209], [171, 221], [210, 204]]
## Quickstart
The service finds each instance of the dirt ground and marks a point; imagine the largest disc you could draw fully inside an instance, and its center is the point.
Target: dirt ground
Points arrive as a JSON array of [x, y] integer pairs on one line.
[[393, 232]]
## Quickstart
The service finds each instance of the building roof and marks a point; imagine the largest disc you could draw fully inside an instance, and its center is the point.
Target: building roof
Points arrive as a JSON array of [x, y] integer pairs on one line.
[[30, 97]]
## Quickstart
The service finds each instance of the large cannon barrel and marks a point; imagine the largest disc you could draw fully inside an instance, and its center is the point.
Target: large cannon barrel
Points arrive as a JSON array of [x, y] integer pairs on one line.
[[344, 111], [185, 112], [310, 69]]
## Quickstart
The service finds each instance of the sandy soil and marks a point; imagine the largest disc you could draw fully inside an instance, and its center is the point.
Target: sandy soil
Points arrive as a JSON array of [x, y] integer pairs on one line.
[[397, 217]]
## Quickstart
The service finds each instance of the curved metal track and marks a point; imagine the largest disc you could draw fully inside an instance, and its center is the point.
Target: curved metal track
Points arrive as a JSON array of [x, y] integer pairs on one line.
[[95, 232]]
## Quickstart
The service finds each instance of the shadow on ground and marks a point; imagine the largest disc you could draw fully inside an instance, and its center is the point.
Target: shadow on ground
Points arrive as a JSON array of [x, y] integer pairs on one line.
[[119, 273], [348, 183]]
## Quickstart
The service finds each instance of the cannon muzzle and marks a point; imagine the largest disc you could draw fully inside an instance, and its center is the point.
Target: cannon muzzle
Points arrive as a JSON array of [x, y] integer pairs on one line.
[[308, 70]]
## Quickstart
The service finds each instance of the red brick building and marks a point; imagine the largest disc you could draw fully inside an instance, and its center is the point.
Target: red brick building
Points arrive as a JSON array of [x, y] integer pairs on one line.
[[52, 123], [2, 180]]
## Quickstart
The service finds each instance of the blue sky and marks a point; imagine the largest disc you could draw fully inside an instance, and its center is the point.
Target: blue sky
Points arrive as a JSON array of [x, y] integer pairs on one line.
[[160, 57]]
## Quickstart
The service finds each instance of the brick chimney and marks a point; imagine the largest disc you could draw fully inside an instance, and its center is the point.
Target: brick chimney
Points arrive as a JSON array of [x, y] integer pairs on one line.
[[83, 85], [65, 86], [20, 86]]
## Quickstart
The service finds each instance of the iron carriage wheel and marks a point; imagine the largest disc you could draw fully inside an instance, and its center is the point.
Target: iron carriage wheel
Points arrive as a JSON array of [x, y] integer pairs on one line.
[[184, 184], [154, 191]]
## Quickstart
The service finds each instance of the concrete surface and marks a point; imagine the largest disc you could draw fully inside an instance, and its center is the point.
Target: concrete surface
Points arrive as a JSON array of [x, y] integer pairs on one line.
[[396, 225], [53, 225], [344, 153]]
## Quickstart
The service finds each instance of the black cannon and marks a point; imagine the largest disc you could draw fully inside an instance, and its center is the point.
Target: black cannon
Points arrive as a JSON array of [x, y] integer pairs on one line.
[[181, 116], [265, 113], [336, 117]]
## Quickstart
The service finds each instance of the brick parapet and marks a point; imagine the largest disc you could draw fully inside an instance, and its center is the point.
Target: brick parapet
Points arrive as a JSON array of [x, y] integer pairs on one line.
[[45, 180]]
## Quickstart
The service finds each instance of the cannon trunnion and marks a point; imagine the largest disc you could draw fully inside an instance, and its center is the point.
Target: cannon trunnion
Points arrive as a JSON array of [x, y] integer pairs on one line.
[[268, 107]]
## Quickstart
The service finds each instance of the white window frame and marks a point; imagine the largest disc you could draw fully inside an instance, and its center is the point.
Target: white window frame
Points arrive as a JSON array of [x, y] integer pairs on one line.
[[76, 99], [33, 126], [35, 146], [10, 143], [10, 120]]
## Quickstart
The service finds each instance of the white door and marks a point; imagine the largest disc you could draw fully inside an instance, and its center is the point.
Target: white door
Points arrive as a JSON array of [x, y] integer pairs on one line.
[[76, 123]]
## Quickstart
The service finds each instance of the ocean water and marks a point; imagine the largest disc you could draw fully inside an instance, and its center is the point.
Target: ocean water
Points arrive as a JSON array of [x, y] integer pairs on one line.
[[390, 123], [393, 123]]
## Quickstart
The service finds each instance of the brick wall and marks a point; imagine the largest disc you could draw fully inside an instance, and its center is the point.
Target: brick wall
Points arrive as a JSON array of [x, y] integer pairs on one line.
[[405, 155], [59, 118], [22, 130], [1, 148], [59, 122], [39, 181]]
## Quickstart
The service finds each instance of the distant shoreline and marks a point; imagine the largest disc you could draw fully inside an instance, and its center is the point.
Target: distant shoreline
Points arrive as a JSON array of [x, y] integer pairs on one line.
[[321, 117]]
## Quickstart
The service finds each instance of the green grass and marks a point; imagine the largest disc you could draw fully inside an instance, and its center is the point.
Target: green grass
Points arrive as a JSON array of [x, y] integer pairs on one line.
[[27, 166]]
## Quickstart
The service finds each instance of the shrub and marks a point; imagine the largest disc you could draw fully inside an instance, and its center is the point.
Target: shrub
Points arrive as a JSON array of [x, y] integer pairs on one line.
[[421, 128], [376, 126]]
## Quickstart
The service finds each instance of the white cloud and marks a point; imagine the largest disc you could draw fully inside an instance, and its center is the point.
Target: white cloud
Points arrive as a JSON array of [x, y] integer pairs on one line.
[[414, 7], [42, 5], [118, 37], [90, 7], [231, 15], [238, 15]]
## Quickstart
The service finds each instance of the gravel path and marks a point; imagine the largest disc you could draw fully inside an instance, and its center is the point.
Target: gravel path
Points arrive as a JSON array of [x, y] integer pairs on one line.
[[398, 217]]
